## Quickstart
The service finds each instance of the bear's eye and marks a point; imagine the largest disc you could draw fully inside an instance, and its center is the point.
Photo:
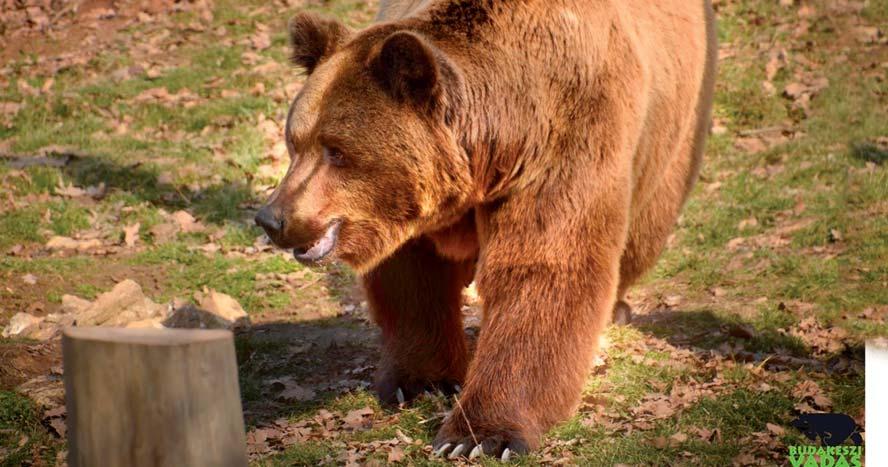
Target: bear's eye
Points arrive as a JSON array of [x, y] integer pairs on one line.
[[334, 156]]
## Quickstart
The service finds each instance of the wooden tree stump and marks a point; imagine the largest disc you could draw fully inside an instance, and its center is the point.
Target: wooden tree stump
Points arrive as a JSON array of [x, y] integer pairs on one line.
[[152, 397]]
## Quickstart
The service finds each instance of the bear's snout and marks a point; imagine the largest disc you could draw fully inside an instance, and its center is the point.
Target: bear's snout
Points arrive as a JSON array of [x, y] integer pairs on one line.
[[311, 241], [270, 222]]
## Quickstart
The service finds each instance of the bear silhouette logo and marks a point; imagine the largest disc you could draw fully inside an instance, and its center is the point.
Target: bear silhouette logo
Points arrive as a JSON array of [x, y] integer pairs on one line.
[[832, 428]]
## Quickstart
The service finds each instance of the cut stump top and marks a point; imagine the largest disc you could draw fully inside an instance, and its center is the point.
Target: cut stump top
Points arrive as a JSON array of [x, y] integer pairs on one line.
[[142, 336]]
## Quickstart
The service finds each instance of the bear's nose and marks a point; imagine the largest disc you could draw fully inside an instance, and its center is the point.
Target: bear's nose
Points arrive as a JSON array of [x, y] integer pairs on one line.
[[267, 219]]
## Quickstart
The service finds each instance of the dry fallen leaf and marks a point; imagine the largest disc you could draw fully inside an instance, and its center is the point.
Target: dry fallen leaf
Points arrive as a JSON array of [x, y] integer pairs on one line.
[[678, 438], [709, 435], [823, 339], [356, 419], [9, 109], [69, 191], [186, 222], [747, 223], [290, 391], [867, 34], [396, 454], [402, 437], [835, 235], [260, 41], [656, 406], [794, 90], [776, 429], [660, 442], [744, 459], [775, 63], [809, 389], [131, 234], [209, 248]]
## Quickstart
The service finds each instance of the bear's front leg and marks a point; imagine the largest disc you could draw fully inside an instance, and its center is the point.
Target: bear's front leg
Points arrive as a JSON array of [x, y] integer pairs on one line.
[[548, 275], [415, 298]]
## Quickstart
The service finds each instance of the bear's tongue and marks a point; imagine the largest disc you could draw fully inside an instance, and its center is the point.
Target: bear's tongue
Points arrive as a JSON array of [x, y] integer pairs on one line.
[[322, 247]]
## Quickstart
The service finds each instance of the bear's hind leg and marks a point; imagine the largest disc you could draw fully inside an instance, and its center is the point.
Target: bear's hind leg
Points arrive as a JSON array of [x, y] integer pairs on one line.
[[622, 313], [653, 221], [415, 297], [653, 218], [647, 237]]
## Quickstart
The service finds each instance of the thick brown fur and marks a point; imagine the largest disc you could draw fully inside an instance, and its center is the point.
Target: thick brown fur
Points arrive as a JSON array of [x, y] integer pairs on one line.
[[542, 147]]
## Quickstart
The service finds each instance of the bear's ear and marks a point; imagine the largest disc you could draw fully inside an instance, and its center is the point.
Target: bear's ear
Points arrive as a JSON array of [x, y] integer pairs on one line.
[[313, 37], [407, 67]]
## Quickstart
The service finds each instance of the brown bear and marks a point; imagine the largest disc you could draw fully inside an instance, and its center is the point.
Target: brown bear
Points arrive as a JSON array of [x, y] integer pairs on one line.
[[542, 148]]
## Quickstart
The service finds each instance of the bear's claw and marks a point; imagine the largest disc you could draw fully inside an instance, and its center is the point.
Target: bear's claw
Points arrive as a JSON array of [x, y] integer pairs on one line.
[[457, 451], [439, 451], [495, 446], [406, 392]]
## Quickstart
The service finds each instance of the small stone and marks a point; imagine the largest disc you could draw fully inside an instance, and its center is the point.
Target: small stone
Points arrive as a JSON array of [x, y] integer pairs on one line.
[[216, 311], [72, 304], [22, 325], [672, 300], [66, 243], [225, 307], [153, 323], [60, 319], [44, 332], [121, 305]]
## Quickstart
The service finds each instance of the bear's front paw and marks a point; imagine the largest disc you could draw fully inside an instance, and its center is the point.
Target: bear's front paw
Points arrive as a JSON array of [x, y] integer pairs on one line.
[[452, 443], [394, 388]]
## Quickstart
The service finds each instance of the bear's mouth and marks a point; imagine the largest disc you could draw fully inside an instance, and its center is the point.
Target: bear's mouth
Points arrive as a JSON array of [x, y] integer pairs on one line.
[[322, 247]]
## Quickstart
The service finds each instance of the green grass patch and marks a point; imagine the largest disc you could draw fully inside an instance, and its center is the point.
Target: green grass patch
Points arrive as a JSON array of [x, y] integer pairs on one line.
[[190, 271], [20, 226], [22, 438]]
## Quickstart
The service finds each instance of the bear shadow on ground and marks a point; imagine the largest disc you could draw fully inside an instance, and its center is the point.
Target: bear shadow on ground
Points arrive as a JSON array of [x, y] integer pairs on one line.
[[704, 332], [327, 358], [336, 357]]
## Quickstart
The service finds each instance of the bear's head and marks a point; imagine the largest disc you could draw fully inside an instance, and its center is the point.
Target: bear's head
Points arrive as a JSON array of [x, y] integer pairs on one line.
[[375, 159]]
